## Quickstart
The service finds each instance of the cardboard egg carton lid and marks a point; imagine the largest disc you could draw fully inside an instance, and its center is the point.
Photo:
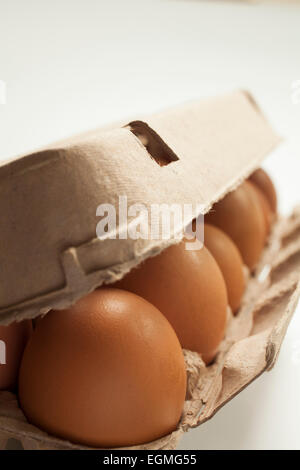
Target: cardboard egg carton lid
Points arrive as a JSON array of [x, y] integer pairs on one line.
[[50, 255]]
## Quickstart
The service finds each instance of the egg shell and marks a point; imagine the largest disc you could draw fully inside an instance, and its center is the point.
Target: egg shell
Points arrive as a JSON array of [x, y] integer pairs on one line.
[[189, 289], [266, 208], [107, 372], [229, 261], [13, 339], [262, 180], [239, 214]]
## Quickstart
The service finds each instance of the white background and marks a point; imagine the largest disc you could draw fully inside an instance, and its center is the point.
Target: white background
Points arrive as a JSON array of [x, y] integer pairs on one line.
[[72, 66]]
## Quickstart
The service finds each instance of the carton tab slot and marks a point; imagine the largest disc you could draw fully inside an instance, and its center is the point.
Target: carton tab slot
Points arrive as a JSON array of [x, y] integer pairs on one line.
[[158, 150]]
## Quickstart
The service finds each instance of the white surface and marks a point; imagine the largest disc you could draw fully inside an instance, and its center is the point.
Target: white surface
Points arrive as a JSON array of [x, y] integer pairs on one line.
[[71, 66]]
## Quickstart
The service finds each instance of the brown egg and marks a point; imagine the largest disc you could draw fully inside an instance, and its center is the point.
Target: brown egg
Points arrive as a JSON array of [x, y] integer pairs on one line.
[[268, 214], [107, 372], [262, 180], [189, 289], [230, 262], [13, 339], [239, 214]]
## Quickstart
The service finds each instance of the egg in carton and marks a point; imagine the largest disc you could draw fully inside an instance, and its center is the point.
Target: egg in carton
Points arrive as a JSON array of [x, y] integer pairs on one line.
[[51, 256]]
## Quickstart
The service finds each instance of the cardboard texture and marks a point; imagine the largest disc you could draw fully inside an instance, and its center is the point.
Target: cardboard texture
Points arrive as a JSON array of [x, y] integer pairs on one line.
[[50, 255]]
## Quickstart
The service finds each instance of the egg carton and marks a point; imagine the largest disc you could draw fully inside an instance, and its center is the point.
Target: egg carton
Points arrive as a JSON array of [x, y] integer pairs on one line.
[[193, 154]]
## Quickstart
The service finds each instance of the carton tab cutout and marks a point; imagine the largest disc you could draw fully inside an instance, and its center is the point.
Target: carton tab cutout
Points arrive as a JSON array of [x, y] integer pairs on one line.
[[159, 151]]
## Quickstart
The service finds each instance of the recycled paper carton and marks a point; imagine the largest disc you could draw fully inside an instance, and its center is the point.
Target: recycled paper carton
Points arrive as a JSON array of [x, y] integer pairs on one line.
[[50, 255]]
